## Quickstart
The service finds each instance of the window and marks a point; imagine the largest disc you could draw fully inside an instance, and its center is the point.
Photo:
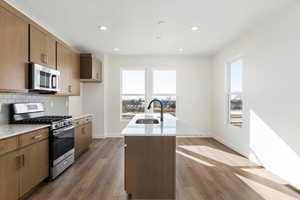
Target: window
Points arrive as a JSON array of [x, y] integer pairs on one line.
[[164, 89], [132, 93], [235, 93], [139, 87]]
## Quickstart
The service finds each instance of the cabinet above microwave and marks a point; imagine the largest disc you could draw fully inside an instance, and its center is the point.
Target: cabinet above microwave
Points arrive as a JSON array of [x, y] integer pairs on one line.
[[90, 68]]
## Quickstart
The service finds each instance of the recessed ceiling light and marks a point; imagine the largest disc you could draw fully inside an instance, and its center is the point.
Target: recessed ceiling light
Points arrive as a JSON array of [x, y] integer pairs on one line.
[[195, 28], [116, 49], [158, 37], [180, 49], [103, 28]]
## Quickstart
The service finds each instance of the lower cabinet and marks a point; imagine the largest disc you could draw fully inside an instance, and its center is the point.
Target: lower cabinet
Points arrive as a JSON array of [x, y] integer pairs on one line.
[[23, 169], [9, 176], [34, 165], [83, 137]]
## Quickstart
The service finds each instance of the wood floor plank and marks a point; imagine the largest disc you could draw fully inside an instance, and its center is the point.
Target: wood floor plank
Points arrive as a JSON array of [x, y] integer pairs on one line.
[[206, 170]]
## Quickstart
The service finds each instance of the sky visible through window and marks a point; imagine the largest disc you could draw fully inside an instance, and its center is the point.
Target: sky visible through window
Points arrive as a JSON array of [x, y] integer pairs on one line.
[[164, 82], [236, 75], [133, 82]]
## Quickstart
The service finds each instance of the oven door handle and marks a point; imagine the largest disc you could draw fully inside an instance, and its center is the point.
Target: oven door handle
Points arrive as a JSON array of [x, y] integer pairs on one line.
[[57, 132]]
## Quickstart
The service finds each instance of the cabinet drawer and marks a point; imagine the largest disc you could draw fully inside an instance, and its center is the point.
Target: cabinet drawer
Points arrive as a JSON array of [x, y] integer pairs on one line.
[[8, 145], [33, 137], [82, 121]]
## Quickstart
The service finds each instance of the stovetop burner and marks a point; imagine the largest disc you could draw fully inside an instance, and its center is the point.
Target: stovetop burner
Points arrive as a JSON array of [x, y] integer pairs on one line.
[[44, 119]]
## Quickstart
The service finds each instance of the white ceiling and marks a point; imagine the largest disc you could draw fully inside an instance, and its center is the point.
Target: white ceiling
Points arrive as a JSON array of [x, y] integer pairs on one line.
[[133, 24]]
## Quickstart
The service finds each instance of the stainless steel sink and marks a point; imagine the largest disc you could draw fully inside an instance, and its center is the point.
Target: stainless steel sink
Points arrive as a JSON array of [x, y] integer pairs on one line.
[[147, 121]]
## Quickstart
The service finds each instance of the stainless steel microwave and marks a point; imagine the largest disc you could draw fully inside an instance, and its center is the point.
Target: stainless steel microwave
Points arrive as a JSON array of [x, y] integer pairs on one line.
[[43, 79]]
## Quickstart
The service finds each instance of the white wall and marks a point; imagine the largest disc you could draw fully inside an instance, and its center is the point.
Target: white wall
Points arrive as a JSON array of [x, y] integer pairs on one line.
[[271, 95], [193, 88]]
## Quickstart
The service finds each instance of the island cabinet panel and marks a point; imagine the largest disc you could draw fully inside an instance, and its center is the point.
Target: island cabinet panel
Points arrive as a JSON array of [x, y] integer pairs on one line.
[[42, 48], [150, 166], [9, 176], [68, 63], [13, 52]]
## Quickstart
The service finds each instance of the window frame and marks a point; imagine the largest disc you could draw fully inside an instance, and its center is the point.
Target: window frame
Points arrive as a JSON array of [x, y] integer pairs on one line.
[[228, 90]]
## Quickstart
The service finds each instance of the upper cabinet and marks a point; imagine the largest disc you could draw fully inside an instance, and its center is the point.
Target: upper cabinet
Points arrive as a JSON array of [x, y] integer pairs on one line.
[[13, 52], [68, 63], [90, 68], [42, 47]]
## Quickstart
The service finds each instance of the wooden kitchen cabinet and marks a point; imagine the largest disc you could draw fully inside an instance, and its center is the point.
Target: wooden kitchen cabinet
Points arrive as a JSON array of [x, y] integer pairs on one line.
[[42, 48], [150, 167], [34, 165], [9, 176], [68, 63], [13, 52], [91, 68], [83, 135], [23, 165]]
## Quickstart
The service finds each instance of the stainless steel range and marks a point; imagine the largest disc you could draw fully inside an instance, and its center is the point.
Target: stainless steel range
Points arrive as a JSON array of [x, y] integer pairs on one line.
[[61, 143]]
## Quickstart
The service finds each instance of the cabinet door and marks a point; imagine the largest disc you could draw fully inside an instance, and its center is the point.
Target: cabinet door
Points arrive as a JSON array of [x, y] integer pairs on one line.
[[42, 48], [88, 133], [78, 141], [9, 176], [13, 51], [34, 165], [64, 66], [75, 68]]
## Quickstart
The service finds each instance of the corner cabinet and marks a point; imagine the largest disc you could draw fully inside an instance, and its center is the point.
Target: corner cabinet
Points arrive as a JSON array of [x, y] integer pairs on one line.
[[91, 68], [42, 47], [24, 163], [68, 63], [13, 52]]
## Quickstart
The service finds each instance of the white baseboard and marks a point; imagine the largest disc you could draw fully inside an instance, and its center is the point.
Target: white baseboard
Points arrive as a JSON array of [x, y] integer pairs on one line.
[[230, 145]]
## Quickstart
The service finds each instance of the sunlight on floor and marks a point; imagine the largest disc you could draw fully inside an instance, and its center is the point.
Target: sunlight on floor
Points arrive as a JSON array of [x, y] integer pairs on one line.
[[194, 159], [265, 191], [221, 156]]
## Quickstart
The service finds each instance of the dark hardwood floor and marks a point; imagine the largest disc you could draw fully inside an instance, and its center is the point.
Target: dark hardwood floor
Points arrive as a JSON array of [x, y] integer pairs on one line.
[[206, 170]]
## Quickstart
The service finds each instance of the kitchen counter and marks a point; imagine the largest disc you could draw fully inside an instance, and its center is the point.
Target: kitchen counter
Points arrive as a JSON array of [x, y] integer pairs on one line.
[[169, 127], [9, 130], [76, 117]]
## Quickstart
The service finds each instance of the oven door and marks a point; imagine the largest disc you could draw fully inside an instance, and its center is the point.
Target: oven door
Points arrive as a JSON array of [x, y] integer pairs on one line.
[[61, 144]]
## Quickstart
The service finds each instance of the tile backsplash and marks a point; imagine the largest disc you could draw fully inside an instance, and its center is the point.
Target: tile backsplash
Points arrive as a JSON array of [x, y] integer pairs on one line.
[[54, 105]]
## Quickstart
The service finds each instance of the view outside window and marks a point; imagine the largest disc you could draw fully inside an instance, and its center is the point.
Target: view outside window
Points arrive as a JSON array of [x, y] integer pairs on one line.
[[235, 93], [133, 93], [164, 89]]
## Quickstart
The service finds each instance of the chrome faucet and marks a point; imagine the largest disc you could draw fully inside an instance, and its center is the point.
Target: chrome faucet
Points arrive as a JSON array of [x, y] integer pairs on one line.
[[161, 108]]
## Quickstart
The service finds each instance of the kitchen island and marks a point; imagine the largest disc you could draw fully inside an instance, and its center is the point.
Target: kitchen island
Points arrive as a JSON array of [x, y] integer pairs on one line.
[[150, 155]]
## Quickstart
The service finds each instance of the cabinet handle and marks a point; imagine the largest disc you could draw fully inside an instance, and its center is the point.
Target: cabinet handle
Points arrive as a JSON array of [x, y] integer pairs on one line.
[[37, 137], [125, 145], [70, 88], [23, 160], [44, 58]]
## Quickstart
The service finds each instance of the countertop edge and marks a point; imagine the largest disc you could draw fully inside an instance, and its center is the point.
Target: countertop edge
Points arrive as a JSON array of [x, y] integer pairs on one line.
[[23, 131], [82, 116]]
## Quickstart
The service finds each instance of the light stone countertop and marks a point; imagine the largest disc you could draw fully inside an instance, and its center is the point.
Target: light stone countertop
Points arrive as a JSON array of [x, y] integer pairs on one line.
[[76, 117], [10, 130], [169, 127]]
